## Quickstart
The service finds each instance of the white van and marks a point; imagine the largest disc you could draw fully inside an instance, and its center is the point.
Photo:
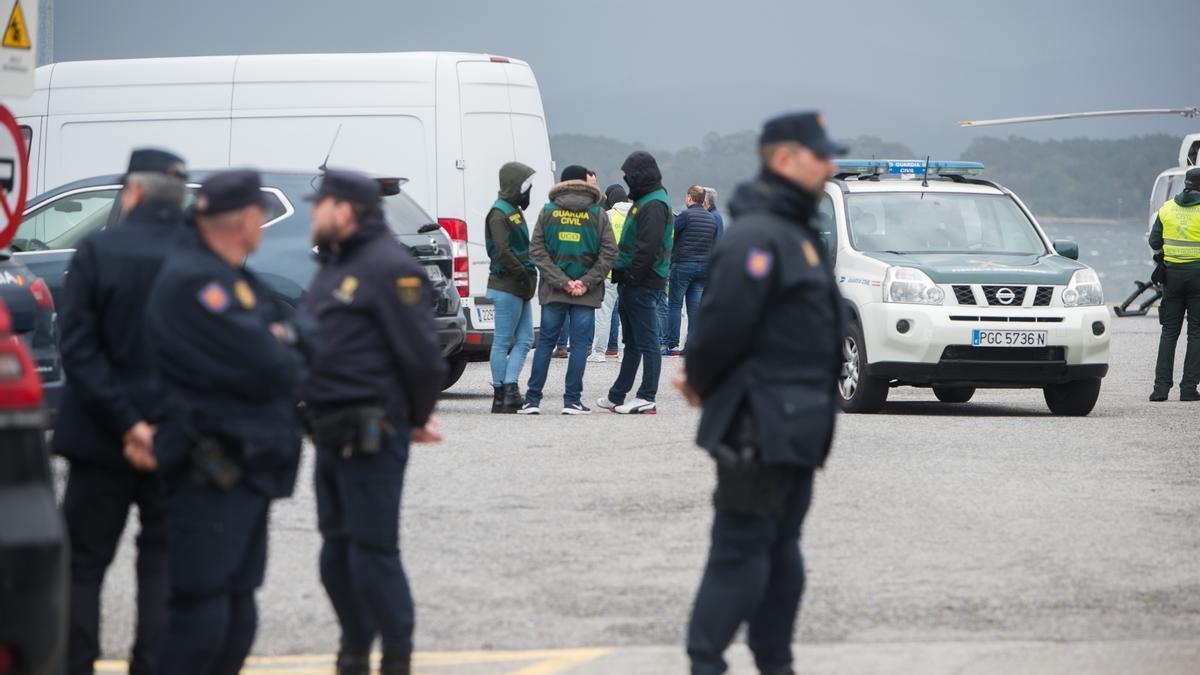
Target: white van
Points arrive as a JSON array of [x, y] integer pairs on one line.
[[444, 121]]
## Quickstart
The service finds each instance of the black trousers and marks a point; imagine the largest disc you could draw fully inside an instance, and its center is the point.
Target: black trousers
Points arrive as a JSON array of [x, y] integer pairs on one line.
[[1181, 296], [96, 507], [755, 573], [358, 512]]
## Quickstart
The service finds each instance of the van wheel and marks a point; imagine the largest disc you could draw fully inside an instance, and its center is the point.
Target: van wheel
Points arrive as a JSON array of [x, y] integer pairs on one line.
[[457, 368], [1074, 399], [954, 394], [860, 393]]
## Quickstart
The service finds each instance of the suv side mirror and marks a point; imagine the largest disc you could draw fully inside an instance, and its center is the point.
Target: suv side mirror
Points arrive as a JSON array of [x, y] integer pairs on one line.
[[1067, 249]]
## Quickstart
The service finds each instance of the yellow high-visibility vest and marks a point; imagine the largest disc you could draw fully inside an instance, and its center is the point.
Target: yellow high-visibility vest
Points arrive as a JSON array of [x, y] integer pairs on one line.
[[617, 220], [1181, 232]]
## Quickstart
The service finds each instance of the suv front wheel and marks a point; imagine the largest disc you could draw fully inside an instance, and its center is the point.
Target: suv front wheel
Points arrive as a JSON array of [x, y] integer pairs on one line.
[[860, 393], [1073, 399]]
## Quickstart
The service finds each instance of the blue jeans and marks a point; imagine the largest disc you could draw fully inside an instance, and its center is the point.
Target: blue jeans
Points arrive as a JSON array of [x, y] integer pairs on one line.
[[555, 316], [565, 335], [687, 285], [662, 322], [614, 333], [639, 319], [514, 331]]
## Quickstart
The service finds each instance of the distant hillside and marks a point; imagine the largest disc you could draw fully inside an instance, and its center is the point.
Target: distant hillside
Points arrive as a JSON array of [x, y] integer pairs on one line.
[[1076, 178]]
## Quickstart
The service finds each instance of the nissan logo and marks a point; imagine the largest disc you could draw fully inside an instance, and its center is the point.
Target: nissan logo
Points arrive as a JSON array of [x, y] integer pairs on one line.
[[1005, 296]]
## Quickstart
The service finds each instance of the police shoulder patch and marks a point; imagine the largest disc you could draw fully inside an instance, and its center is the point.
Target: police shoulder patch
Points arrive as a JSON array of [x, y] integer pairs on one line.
[[408, 289], [214, 298], [759, 263]]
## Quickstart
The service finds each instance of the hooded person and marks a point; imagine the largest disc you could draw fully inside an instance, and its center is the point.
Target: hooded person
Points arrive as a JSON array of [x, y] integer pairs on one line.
[[511, 283], [641, 271], [1176, 233], [608, 323], [573, 172], [574, 248]]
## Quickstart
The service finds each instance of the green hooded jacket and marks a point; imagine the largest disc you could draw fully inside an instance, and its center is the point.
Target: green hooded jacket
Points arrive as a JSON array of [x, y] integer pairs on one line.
[[507, 236], [1185, 198]]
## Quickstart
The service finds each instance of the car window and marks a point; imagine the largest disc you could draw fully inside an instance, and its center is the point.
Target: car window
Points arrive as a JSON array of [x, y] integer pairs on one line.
[[940, 223], [63, 222], [276, 205], [404, 214], [827, 224]]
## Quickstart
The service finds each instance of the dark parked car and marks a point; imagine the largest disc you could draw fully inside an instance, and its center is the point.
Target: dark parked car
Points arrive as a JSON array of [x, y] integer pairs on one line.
[[33, 549], [57, 220], [31, 309]]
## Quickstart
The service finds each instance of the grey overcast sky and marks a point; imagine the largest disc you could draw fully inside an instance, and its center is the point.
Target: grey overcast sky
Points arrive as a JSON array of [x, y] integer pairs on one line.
[[666, 73]]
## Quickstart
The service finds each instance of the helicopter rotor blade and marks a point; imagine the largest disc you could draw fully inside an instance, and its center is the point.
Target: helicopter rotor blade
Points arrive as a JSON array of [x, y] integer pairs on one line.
[[1183, 112]]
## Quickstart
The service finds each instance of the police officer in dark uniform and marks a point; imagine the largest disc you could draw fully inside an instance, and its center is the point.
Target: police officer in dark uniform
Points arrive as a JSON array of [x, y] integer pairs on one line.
[[110, 404], [764, 359], [230, 360], [374, 384]]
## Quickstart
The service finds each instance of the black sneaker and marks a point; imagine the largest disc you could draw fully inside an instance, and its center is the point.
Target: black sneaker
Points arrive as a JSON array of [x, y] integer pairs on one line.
[[576, 409], [1158, 395], [530, 409], [1189, 395]]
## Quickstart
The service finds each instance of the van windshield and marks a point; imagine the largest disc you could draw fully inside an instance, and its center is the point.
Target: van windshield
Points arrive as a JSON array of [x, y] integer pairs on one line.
[[905, 222], [404, 214]]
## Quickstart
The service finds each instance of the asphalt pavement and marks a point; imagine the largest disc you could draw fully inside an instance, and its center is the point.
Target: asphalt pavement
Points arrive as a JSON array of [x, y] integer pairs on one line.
[[984, 537]]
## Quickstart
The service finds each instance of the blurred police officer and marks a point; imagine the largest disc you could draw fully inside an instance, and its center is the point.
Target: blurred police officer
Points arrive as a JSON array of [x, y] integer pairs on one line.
[[110, 404], [375, 380], [764, 359], [1176, 232], [230, 442]]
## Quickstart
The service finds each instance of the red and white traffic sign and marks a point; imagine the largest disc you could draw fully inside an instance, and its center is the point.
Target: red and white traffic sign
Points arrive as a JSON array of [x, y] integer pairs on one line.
[[14, 173]]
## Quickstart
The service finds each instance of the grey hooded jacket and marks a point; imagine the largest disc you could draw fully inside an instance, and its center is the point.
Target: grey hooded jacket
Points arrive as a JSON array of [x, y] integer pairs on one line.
[[573, 195]]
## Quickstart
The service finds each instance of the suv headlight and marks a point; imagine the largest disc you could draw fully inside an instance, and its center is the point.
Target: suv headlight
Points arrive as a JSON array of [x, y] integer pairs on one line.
[[1084, 290], [912, 286]]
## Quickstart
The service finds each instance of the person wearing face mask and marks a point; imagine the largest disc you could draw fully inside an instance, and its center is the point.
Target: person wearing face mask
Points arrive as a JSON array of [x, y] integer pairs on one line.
[[229, 358], [763, 360], [511, 285], [643, 263], [375, 381]]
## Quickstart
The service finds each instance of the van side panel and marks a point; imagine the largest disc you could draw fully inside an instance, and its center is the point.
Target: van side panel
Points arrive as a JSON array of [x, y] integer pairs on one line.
[[31, 112]]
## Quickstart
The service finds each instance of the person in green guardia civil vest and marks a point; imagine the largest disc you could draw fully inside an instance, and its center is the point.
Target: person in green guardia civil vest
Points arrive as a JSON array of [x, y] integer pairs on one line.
[[510, 285], [1176, 232], [643, 264]]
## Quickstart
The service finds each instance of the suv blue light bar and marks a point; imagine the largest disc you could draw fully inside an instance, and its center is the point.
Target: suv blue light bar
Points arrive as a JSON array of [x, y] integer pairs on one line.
[[905, 167]]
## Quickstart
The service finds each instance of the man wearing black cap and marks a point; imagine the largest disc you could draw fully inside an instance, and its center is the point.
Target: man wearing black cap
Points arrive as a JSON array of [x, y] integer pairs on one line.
[[105, 424], [1176, 233], [229, 361], [375, 381], [763, 360], [643, 263]]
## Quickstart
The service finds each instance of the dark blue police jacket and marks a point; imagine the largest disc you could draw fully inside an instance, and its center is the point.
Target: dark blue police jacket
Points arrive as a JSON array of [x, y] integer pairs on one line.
[[226, 375], [110, 384]]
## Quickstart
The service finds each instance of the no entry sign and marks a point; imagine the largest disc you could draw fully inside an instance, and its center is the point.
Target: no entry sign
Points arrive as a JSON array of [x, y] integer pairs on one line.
[[14, 170]]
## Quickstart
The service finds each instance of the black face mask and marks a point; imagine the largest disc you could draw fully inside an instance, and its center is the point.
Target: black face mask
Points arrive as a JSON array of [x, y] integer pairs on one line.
[[629, 182], [523, 200]]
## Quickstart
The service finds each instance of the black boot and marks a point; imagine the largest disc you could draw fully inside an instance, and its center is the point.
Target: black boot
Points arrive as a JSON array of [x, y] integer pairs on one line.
[[497, 400], [354, 661], [513, 400], [1189, 394], [1159, 395], [395, 663], [781, 670]]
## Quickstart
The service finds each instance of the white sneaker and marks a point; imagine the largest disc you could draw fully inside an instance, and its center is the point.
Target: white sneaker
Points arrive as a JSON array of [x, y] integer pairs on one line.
[[606, 404], [637, 407], [529, 409], [576, 409], [597, 357]]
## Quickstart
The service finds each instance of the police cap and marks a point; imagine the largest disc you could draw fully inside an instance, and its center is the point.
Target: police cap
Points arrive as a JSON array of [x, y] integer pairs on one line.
[[805, 128], [347, 186], [229, 191], [1191, 180], [154, 160]]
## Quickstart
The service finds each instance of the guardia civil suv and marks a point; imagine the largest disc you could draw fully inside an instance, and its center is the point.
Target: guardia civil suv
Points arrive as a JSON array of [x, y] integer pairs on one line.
[[952, 285]]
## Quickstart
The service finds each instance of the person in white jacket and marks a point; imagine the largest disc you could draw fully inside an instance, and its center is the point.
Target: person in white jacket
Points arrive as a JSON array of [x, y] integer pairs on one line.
[[608, 324]]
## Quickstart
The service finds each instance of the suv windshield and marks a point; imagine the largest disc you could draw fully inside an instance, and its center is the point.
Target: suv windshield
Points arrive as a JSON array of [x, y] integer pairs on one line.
[[404, 214], [933, 222]]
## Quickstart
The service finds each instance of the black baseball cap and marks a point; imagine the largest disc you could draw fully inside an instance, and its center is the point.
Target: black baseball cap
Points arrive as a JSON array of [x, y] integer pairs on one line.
[[229, 191], [574, 172], [805, 128], [347, 186], [154, 160], [1192, 178]]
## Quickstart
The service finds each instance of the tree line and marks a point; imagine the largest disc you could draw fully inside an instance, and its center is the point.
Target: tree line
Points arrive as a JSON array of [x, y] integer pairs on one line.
[[1073, 178]]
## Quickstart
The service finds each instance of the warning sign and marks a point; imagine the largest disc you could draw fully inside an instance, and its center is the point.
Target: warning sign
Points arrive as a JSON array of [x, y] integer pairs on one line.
[[18, 47], [16, 33]]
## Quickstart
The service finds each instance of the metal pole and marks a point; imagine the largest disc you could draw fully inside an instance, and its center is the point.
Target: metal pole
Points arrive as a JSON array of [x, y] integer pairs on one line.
[[45, 37]]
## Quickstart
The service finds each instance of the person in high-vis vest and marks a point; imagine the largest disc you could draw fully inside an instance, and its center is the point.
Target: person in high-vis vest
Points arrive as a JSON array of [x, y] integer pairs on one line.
[[608, 324], [643, 264], [1176, 233], [510, 285], [574, 249]]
